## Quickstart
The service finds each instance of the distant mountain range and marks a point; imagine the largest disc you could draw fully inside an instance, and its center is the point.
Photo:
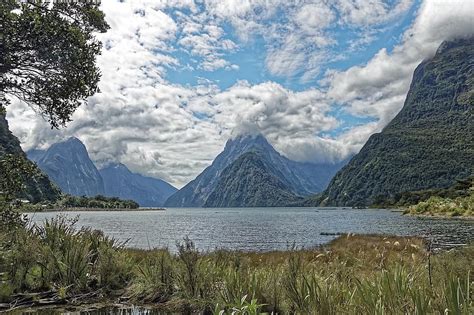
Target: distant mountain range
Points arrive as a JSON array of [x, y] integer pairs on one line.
[[38, 186], [429, 144], [220, 184], [120, 182], [68, 164]]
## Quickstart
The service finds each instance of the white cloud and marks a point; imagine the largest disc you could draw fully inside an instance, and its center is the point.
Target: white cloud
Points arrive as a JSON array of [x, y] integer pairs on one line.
[[173, 131], [203, 38], [312, 17], [370, 12], [379, 87], [271, 109]]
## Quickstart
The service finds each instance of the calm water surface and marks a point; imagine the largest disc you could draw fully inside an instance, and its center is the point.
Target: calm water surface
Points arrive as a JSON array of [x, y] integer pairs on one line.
[[261, 229]]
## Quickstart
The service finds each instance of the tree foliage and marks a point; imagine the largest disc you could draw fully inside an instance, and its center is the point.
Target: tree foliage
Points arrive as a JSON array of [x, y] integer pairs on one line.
[[98, 201], [16, 169], [48, 55], [462, 188], [13, 169]]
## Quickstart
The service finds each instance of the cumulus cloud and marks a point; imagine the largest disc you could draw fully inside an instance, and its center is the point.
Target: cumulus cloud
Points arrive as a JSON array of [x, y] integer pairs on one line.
[[370, 12], [174, 131], [205, 41], [378, 88], [271, 109], [300, 41]]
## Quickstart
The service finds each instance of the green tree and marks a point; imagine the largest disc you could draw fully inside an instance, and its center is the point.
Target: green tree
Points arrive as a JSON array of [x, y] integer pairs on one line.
[[48, 55], [13, 170], [48, 60]]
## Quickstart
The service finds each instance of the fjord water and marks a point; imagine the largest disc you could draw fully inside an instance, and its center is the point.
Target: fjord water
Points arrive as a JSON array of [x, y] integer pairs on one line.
[[261, 229]]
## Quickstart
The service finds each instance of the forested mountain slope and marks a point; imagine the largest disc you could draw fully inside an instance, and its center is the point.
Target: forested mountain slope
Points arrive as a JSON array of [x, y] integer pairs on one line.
[[429, 144], [250, 181], [38, 187]]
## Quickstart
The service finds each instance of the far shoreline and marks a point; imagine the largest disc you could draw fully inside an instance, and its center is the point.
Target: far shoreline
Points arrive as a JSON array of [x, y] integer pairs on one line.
[[77, 209]]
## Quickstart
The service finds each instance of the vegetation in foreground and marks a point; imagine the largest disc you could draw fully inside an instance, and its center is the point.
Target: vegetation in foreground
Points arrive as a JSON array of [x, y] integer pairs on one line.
[[455, 201], [438, 206], [58, 264]]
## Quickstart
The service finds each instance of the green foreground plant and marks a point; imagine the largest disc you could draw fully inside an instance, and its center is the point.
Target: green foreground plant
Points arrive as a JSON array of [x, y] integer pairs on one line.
[[354, 274]]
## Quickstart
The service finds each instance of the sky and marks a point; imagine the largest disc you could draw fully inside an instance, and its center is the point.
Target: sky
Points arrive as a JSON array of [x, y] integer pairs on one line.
[[181, 77]]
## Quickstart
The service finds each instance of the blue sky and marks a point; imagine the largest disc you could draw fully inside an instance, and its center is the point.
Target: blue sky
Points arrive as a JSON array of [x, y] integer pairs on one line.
[[250, 56], [181, 77]]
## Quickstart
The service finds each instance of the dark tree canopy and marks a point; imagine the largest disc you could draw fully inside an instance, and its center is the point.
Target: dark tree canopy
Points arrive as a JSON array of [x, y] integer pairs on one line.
[[48, 55]]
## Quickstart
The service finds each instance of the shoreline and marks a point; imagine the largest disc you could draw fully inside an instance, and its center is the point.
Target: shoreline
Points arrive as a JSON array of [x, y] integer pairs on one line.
[[439, 216], [90, 209]]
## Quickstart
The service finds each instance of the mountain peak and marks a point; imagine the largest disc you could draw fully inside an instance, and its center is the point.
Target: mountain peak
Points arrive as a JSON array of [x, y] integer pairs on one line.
[[243, 143], [250, 181], [119, 166], [116, 167], [68, 164], [300, 178], [254, 138], [74, 142], [73, 139]]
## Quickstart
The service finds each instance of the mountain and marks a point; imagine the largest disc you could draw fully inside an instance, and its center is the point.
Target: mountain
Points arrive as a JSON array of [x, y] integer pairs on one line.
[[38, 186], [301, 179], [68, 164], [35, 155], [429, 144], [120, 182], [250, 181]]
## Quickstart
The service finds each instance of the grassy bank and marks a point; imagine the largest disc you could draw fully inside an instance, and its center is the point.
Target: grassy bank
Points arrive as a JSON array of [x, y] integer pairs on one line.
[[57, 264], [444, 207]]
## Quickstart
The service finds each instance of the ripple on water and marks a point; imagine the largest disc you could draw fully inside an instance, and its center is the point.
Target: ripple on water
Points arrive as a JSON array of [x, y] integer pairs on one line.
[[262, 229]]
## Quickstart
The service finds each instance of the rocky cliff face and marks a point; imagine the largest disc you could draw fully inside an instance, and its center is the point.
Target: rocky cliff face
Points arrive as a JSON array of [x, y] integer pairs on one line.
[[68, 164], [429, 144], [301, 179], [120, 182], [38, 186]]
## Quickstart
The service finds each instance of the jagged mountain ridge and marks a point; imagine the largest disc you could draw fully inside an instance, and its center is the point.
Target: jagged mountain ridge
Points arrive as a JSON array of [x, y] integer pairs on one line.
[[68, 164], [250, 181], [301, 178], [429, 144], [120, 182]]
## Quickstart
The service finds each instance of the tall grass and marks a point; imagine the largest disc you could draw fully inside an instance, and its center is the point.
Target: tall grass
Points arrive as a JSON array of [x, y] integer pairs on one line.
[[351, 275], [56, 256]]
